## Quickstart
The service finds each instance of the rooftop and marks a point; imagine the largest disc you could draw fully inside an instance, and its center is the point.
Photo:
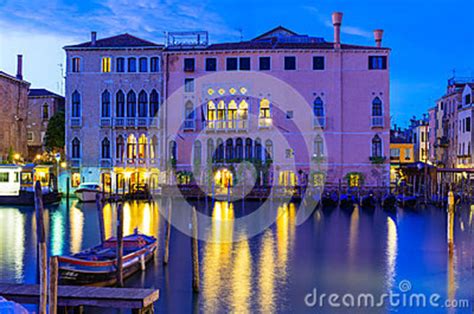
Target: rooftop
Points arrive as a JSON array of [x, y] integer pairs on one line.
[[119, 41], [42, 92], [12, 77]]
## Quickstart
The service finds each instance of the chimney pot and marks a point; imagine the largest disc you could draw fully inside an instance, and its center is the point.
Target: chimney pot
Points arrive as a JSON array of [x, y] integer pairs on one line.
[[378, 35], [19, 69], [336, 22], [93, 38]]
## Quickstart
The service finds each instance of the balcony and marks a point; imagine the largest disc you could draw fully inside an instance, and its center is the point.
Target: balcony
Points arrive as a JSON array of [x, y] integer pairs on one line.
[[190, 124], [135, 122], [227, 125], [135, 162], [75, 163], [377, 122], [264, 123], [105, 122], [319, 122], [106, 162], [76, 122]]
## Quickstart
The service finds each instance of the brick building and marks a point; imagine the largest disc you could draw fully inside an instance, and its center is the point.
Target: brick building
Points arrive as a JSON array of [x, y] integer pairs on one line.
[[13, 112]]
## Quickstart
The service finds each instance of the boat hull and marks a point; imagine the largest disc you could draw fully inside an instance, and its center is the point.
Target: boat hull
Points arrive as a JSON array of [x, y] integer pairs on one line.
[[27, 198], [86, 196]]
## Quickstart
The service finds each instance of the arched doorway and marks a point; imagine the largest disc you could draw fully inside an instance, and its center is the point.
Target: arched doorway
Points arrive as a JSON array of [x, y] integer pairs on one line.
[[223, 178]]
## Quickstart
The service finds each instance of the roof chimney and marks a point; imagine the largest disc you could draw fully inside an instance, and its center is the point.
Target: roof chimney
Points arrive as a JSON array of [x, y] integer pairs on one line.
[[19, 69], [336, 22], [378, 34], [93, 38]]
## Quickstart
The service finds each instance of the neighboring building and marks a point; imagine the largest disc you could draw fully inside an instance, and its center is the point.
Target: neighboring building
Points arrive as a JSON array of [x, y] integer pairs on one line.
[[113, 94], [432, 142], [419, 132], [42, 105], [402, 153], [465, 132], [13, 108], [229, 117]]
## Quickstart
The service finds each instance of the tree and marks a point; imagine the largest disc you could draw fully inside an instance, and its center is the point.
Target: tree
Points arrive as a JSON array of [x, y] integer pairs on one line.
[[54, 137]]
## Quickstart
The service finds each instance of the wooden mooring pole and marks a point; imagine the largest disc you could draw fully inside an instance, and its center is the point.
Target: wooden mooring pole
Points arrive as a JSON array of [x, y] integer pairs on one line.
[[100, 214], [53, 285], [166, 255], [42, 255], [120, 245], [194, 251]]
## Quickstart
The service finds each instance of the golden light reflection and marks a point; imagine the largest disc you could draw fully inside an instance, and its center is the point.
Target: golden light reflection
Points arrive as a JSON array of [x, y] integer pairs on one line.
[[242, 278], [266, 279], [452, 285], [12, 241], [76, 221], [109, 220], [353, 232], [216, 261], [285, 226], [391, 253]]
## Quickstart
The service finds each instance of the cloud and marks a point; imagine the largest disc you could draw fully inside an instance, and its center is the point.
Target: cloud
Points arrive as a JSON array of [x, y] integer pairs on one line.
[[345, 29]]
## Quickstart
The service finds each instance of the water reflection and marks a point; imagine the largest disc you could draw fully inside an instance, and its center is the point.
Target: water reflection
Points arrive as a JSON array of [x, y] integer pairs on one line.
[[12, 243], [391, 253], [267, 273], [57, 232], [241, 278], [76, 223], [353, 233]]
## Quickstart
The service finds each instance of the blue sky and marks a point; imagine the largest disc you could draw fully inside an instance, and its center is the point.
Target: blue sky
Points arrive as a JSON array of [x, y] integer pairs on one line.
[[429, 38]]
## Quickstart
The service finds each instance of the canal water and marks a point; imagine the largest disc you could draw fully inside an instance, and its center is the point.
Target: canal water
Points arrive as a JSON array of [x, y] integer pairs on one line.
[[332, 252]]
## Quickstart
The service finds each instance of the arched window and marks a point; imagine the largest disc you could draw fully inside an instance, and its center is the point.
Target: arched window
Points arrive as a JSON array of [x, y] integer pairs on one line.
[[242, 114], [154, 147], [376, 146], [318, 107], [189, 115], [211, 114], [268, 150], [142, 104], [248, 148], [220, 150], [131, 148], [45, 112], [239, 149], [143, 64], [131, 104], [119, 148], [232, 114], [229, 149], [221, 115], [377, 107], [318, 146], [264, 119], [258, 149], [76, 148], [197, 152], [142, 144], [154, 104], [173, 150], [132, 64], [76, 105], [120, 104], [210, 150], [105, 148], [105, 112]]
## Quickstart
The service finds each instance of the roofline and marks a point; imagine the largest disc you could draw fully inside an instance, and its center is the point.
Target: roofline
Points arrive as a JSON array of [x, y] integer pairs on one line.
[[273, 29], [13, 78], [201, 50], [74, 48]]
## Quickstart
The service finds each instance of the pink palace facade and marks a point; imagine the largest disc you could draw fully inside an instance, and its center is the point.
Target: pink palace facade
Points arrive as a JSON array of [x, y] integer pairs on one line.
[[301, 109], [333, 98]]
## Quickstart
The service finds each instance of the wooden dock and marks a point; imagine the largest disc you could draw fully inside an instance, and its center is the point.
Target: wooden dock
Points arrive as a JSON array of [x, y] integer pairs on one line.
[[139, 300]]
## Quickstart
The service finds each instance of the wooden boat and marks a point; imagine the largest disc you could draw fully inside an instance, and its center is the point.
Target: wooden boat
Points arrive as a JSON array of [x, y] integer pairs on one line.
[[389, 203], [87, 192], [329, 200], [97, 266], [407, 201], [369, 202], [347, 202]]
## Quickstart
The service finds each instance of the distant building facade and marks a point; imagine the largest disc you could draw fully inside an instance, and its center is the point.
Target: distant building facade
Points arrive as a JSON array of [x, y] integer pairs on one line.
[[113, 97], [465, 132], [13, 108], [419, 134], [42, 106]]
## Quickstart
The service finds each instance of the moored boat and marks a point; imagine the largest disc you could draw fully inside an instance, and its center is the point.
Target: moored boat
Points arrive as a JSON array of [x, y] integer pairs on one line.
[[347, 202], [389, 203], [97, 266], [329, 200], [369, 202], [87, 192], [407, 201]]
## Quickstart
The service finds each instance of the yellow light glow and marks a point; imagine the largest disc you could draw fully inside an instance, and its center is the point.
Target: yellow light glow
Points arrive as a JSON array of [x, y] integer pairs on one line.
[[391, 251], [210, 91], [38, 156], [63, 165], [16, 156], [243, 90], [221, 91], [232, 91]]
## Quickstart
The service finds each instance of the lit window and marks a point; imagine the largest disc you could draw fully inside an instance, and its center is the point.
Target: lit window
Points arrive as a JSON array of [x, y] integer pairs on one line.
[[45, 112], [30, 136], [289, 153], [264, 119], [76, 64], [106, 64], [75, 179]]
